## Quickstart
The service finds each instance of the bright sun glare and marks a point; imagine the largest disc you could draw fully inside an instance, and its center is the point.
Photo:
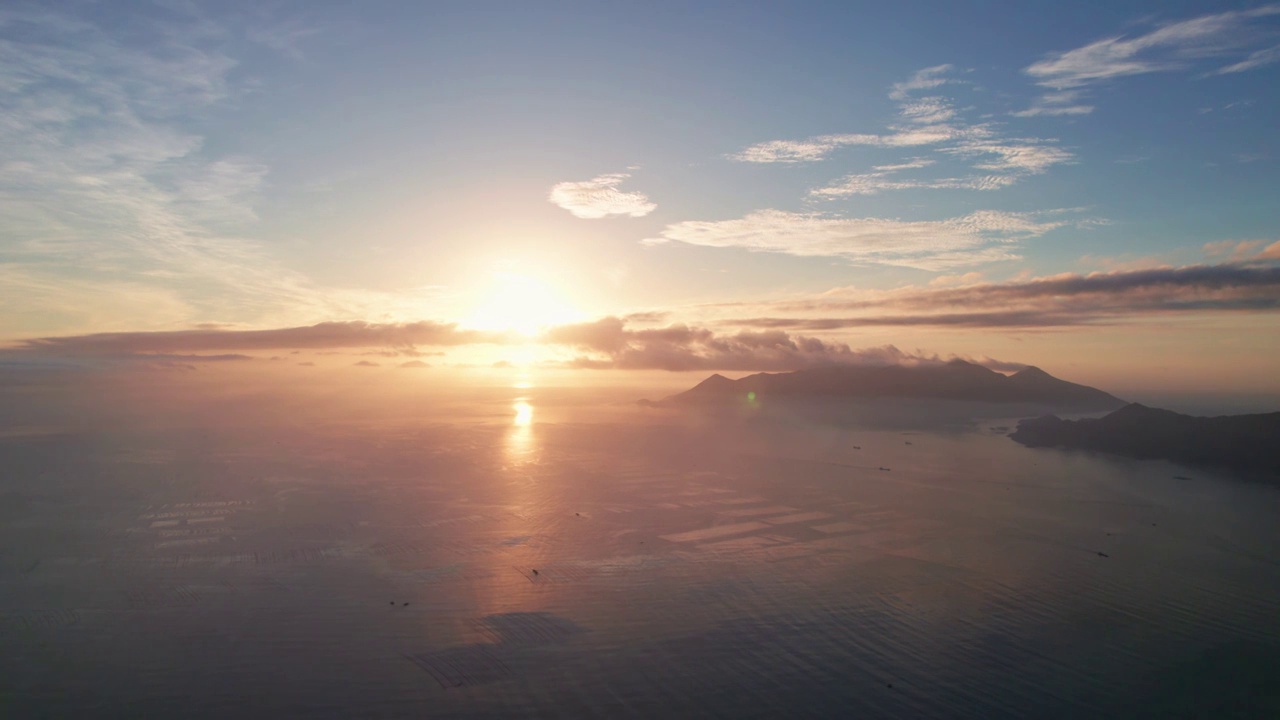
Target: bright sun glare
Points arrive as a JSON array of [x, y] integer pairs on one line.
[[521, 303]]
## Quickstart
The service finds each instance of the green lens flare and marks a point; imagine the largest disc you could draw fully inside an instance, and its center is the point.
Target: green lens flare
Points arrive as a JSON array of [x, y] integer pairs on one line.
[[751, 396]]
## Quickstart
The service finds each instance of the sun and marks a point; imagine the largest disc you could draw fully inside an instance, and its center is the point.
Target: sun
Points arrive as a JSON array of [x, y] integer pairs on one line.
[[522, 303]]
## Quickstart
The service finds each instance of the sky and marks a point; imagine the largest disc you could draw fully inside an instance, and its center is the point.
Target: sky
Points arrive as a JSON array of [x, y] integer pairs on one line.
[[1089, 188]]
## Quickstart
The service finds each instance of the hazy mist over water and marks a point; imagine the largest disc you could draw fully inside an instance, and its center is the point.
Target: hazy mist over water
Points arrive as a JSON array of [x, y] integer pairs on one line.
[[197, 547]]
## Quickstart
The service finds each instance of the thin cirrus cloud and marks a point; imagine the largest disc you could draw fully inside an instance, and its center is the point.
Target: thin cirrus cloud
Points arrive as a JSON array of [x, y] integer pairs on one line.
[[1171, 47], [981, 236], [926, 79], [328, 335], [924, 123], [1008, 162], [1055, 301], [107, 183], [884, 178], [1256, 59], [1056, 104], [600, 197], [1174, 46], [817, 148]]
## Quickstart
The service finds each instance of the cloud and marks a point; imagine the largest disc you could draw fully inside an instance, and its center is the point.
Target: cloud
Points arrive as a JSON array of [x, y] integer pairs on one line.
[[110, 194], [1053, 104], [1173, 46], [927, 111], [793, 151], [874, 182], [599, 197], [1233, 250], [647, 317], [924, 121], [926, 79], [612, 344], [169, 366], [757, 341], [1271, 252], [981, 236], [817, 148], [1256, 59], [414, 364], [1059, 300], [929, 122], [1053, 111], [1014, 157], [912, 164], [224, 357], [968, 278], [355, 334]]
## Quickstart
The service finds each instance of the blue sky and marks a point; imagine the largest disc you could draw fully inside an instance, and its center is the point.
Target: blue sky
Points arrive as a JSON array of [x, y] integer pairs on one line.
[[173, 165]]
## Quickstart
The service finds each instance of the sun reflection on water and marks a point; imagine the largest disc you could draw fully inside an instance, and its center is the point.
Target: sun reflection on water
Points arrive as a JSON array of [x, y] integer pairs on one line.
[[520, 440], [524, 413]]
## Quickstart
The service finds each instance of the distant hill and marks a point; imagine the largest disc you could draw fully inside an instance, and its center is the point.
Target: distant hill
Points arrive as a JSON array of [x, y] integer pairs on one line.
[[955, 380], [1240, 442]]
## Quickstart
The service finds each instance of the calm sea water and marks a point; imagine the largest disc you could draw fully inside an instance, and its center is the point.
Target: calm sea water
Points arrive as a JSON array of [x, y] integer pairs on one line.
[[535, 556]]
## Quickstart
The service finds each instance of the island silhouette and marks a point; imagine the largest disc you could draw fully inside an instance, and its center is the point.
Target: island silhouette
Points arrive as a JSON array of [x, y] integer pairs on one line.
[[954, 380], [1248, 443]]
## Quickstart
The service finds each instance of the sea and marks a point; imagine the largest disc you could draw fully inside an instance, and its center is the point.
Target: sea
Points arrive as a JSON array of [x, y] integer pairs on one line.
[[547, 552]]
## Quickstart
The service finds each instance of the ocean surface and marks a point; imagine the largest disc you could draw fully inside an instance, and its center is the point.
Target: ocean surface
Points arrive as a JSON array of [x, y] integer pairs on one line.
[[534, 554]]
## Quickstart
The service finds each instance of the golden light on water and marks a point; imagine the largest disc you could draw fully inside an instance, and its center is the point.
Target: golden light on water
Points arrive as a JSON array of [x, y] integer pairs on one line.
[[520, 441], [524, 413]]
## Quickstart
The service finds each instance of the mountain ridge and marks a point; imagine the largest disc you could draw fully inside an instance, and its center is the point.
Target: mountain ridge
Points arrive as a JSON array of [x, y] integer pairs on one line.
[[1238, 442], [953, 380]]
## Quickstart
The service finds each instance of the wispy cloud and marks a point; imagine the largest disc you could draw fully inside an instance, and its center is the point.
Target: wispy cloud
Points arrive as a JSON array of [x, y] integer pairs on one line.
[[912, 164], [883, 177], [818, 148], [925, 123], [1173, 46], [356, 334], [1233, 250], [600, 197], [1062, 102], [928, 111], [926, 79], [1014, 156], [1055, 301], [1054, 110], [979, 237], [102, 162], [872, 183], [1256, 59]]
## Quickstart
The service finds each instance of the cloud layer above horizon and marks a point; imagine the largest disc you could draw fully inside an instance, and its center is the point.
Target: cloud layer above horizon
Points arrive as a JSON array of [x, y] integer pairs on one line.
[[754, 342], [194, 183]]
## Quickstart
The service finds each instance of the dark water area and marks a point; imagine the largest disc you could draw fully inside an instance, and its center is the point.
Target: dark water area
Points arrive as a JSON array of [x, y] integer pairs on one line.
[[536, 556]]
